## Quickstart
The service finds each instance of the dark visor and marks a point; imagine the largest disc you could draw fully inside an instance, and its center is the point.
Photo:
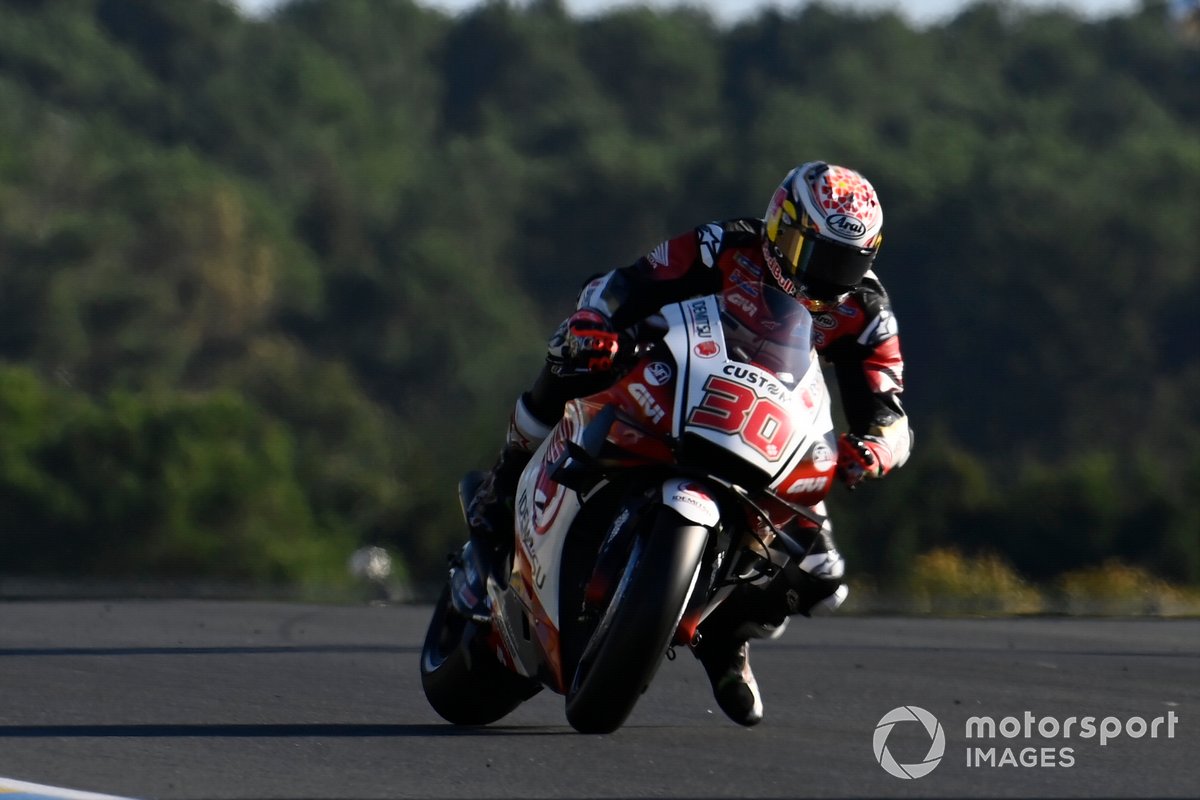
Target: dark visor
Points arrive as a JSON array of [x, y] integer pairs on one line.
[[822, 264]]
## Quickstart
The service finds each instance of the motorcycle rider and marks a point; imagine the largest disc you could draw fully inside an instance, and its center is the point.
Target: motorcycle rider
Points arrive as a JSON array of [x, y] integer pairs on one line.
[[817, 241]]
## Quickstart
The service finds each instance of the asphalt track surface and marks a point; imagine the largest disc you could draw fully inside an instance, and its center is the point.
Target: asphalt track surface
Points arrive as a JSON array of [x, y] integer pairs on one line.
[[203, 699]]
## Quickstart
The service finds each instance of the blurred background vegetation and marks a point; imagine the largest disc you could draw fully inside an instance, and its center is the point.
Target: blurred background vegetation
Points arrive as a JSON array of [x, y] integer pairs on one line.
[[269, 286]]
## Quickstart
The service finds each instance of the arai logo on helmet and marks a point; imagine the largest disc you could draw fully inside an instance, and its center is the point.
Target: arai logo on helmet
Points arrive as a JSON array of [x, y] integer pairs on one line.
[[847, 226]]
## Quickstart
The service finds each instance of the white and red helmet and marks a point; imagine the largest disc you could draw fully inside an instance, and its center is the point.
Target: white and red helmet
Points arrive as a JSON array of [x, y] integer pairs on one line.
[[822, 231]]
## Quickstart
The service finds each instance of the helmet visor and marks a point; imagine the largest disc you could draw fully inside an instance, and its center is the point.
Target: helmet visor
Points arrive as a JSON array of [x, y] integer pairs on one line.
[[821, 265]]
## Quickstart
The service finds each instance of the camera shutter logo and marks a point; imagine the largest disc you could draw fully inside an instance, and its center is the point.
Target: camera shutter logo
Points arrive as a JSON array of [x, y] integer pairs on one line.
[[937, 746]]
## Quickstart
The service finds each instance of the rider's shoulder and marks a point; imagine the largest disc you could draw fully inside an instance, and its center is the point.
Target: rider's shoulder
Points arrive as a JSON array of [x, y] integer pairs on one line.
[[742, 231], [735, 232], [715, 238], [871, 294]]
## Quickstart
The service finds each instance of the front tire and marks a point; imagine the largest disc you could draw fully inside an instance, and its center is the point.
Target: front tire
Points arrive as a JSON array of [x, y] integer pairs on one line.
[[463, 681], [628, 645]]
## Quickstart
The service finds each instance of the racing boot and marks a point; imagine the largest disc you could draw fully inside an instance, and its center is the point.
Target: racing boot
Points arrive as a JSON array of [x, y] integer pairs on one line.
[[490, 511], [812, 584], [723, 648], [727, 664]]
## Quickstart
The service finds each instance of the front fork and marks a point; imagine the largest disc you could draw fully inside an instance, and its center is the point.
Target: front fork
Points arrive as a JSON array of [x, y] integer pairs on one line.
[[690, 499]]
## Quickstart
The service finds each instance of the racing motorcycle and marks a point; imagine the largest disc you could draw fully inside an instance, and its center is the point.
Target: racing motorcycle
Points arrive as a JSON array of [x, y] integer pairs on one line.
[[647, 504]]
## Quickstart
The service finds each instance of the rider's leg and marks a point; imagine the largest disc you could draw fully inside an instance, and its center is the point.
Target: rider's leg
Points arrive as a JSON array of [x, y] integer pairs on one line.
[[723, 648], [814, 583], [802, 587], [490, 512]]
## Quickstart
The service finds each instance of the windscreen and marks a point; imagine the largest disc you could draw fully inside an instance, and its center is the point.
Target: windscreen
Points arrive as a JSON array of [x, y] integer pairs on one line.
[[771, 330]]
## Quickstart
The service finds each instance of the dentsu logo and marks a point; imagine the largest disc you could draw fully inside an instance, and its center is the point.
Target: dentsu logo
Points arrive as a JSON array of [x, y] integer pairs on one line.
[[937, 746]]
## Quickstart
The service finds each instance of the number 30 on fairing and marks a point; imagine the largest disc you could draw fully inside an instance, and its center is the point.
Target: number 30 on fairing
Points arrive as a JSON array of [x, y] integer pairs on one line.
[[733, 408]]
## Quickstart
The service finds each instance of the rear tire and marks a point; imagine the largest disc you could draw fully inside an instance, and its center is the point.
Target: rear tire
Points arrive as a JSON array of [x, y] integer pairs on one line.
[[627, 647], [464, 682]]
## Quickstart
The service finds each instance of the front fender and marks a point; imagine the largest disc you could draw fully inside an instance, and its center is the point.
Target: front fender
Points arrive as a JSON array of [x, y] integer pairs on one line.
[[692, 500]]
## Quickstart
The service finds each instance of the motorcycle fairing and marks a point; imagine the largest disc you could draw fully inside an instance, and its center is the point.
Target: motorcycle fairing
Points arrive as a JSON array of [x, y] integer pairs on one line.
[[543, 515], [777, 421]]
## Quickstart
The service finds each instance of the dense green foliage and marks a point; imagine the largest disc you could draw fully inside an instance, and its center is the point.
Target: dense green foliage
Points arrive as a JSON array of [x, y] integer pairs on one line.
[[267, 287]]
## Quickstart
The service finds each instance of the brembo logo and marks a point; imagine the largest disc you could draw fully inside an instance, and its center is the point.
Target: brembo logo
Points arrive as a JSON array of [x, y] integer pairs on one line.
[[937, 746]]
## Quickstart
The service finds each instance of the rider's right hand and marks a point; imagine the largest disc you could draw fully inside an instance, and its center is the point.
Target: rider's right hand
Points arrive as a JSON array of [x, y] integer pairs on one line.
[[584, 343], [856, 460]]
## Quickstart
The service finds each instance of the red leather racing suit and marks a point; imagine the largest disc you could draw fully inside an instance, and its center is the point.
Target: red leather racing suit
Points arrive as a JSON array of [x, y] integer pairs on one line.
[[859, 337]]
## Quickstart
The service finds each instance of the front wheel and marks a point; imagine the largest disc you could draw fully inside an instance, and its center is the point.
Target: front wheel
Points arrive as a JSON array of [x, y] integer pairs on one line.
[[463, 681], [628, 644]]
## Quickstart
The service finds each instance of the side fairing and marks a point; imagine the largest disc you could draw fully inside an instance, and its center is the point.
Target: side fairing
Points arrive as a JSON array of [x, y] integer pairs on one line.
[[543, 516]]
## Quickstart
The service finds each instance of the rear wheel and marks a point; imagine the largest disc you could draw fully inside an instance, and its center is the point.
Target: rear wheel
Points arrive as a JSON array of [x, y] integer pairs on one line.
[[631, 638], [462, 679]]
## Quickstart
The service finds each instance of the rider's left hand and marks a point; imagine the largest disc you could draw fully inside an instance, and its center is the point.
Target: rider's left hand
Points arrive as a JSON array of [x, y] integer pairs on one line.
[[856, 460], [585, 343]]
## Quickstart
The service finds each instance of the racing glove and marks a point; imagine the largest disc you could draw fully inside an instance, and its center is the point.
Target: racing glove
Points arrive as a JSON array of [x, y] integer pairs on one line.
[[585, 343], [857, 460]]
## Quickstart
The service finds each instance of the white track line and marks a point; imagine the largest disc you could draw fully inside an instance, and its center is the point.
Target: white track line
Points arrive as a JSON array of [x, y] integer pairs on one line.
[[10, 787]]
